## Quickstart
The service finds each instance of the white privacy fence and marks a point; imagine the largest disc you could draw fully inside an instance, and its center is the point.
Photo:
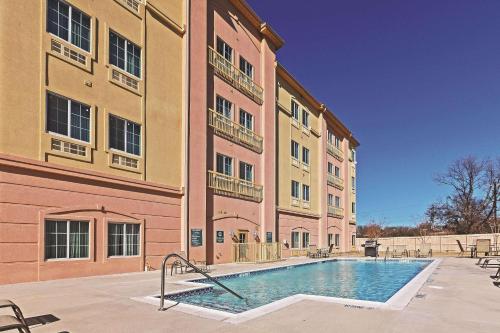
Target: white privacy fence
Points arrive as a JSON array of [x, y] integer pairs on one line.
[[443, 244]]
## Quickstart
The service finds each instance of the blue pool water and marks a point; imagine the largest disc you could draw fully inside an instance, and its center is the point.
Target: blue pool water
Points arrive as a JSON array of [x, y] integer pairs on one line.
[[362, 280]]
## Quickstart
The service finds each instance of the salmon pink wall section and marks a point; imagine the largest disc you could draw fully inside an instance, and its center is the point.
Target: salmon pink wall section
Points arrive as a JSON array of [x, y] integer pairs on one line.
[[32, 191], [291, 222]]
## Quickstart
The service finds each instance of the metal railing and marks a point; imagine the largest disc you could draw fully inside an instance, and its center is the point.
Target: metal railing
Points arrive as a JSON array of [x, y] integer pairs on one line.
[[256, 252], [234, 131], [334, 151], [235, 76], [234, 186], [336, 211], [197, 270], [335, 181]]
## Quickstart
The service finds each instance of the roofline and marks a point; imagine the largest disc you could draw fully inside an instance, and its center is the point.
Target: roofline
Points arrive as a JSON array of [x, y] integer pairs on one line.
[[328, 114], [263, 27]]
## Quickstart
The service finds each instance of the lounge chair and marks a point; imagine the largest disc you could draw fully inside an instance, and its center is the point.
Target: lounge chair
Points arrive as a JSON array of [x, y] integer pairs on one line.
[[424, 251], [312, 252], [399, 251], [483, 246], [486, 259], [16, 322], [462, 250], [333, 250], [179, 264]]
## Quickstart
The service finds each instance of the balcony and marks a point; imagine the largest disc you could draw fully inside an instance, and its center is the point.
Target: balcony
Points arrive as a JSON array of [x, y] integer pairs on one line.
[[235, 187], [335, 181], [225, 69], [233, 131], [335, 152], [336, 211]]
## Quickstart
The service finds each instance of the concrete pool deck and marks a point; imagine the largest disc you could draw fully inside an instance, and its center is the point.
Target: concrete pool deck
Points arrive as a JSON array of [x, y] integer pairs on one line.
[[458, 297]]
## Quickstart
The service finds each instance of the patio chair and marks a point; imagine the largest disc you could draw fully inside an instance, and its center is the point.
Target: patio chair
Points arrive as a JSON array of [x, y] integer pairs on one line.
[[8, 322], [424, 251], [462, 250], [200, 264], [483, 246], [312, 252], [179, 264], [399, 251], [324, 253]]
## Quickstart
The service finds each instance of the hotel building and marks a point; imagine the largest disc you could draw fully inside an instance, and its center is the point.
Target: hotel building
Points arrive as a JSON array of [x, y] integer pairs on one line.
[[131, 129]]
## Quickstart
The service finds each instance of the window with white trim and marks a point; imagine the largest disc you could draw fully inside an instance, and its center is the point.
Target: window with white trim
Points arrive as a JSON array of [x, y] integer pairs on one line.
[[353, 239], [305, 118], [330, 168], [246, 67], [337, 239], [305, 240], [305, 192], [246, 119], [224, 49], [353, 207], [337, 201], [337, 142], [68, 23], [295, 190], [295, 149], [295, 240], [330, 199], [330, 137], [305, 155], [295, 110], [123, 239], [66, 239], [330, 239], [124, 54], [337, 171], [223, 106], [124, 135], [68, 117], [353, 183], [246, 171], [224, 165]]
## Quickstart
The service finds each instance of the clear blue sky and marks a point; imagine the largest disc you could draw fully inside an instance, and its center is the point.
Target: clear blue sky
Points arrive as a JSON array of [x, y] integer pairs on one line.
[[417, 81]]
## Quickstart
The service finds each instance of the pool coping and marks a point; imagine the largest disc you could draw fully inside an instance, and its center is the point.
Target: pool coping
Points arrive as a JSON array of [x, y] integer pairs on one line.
[[398, 301]]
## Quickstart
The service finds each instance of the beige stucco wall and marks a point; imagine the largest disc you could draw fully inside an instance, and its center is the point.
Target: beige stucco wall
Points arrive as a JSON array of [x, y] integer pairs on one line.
[[30, 69]]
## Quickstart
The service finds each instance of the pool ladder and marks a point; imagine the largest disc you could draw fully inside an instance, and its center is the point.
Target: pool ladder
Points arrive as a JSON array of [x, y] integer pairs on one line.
[[196, 269]]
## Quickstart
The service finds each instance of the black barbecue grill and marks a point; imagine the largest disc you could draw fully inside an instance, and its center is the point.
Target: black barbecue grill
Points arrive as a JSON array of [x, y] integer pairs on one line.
[[371, 248]]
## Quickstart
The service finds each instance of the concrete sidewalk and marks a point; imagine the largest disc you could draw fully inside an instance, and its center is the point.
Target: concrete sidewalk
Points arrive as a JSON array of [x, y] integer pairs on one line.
[[459, 297]]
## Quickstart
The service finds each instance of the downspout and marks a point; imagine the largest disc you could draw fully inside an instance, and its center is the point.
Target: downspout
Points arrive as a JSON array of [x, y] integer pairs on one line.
[[187, 89]]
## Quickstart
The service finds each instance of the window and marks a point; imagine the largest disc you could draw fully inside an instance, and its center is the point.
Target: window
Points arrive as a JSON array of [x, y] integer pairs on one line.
[[223, 106], [337, 142], [224, 50], [305, 192], [353, 239], [330, 199], [295, 110], [124, 54], [330, 136], [295, 240], [66, 239], [67, 117], [305, 240], [124, 135], [330, 239], [123, 239], [353, 155], [305, 118], [305, 155], [337, 201], [295, 150], [353, 207], [337, 239], [224, 165], [295, 189], [246, 171], [246, 67], [330, 168], [68, 23], [246, 120], [337, 171], [353, 183]]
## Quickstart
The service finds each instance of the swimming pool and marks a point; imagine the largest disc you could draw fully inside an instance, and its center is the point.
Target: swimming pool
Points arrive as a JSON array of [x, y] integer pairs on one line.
[[365, 280]]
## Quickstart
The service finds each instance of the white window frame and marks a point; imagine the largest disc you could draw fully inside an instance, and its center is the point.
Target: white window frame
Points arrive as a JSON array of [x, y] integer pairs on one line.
[[225, 102], [125, 139], [303, 238], [330, 200], [125, 241], [330, 136], [305, 155], [305, 116], [224, 159], [337, 171], [246, 66], [337, 142], [295, 111], [295, 147], [68, 222], [330, 168], [294, 182], [353, 207], [247, 116], [338, 202], [69, 118], [330, 239], [126, 54], [306, 189], [224, 45], [245, 166], [298, 241]]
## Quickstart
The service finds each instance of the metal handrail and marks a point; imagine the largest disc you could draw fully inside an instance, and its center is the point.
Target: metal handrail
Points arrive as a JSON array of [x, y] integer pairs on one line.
[[196, 269]]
